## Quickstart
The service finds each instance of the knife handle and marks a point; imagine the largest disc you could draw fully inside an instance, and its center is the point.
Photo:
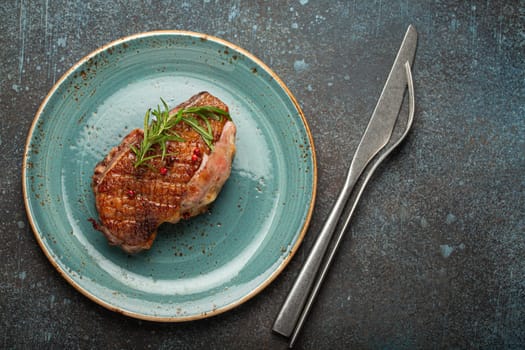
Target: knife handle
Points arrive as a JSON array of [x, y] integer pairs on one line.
[[289, 314], [293, 305]]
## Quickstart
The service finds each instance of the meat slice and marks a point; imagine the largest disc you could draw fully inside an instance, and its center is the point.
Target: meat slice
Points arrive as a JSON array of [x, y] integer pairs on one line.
[[132, 201]]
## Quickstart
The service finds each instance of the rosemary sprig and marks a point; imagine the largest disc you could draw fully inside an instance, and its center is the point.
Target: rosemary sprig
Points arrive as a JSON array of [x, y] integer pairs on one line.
[[160, 130]]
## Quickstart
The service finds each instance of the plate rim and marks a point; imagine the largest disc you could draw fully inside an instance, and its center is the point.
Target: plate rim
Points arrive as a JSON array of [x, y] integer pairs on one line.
[[92, 296]]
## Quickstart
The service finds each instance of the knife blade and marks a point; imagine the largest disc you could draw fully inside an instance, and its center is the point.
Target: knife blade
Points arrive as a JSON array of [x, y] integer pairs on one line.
[[381, 124], [375, 137]]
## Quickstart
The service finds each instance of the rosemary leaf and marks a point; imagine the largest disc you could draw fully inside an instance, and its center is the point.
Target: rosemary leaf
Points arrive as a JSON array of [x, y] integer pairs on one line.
[[158, 125]]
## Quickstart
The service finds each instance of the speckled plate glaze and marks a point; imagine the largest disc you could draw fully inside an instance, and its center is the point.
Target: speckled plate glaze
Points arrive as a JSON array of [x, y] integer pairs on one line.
[[200, 267]]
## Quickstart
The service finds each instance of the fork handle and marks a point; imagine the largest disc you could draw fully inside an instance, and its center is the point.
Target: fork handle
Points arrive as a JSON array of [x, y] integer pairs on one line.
[[288, 315]]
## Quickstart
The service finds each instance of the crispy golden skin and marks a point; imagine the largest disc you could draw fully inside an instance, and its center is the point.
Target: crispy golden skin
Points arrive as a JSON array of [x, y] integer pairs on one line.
[[133, 201]]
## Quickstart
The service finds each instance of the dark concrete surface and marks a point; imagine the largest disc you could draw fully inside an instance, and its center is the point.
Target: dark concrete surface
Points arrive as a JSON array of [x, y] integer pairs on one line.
[[436, 252]]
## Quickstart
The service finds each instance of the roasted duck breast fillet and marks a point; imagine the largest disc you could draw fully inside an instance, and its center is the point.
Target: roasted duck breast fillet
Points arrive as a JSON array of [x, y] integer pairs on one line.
[[137, 191]]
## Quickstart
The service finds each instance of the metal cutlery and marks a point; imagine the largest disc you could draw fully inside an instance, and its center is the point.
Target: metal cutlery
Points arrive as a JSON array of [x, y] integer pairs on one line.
[[377, 135]]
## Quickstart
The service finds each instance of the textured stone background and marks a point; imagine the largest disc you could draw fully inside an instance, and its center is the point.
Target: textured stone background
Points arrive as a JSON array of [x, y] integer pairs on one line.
[[435, 257]]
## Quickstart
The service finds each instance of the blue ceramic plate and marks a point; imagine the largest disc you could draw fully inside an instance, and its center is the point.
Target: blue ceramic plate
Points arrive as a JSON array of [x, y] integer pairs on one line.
[[200, 267]]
